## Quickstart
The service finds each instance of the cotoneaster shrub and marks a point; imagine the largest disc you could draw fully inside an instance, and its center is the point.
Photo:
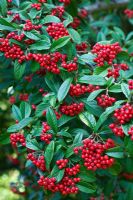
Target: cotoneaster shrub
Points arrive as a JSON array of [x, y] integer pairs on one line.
[[72, 102]]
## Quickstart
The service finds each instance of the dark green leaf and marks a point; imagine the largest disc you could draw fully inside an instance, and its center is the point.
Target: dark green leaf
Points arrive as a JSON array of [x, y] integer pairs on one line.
[[94, 80], [25, 109], [125, 89], [16, 113], [49, 153], [23, 123], [51, 18], [74, 35], [86, 187], [51, 119], [61, 42], [94, 94], [41, 45], [19, 69], [63, 90]]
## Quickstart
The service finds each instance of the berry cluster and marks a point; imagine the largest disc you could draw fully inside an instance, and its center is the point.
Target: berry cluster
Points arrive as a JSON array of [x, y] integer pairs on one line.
[[117, 129], [37, 6], [76, 22], [124, 114], [114, 72], [105, 100], [58, 11], [57, 30], [73, 171], [78, 90], [72, 109], [93, 154], [83, 13], [17, 137], [77, 149], [28, 78], [130, 132], [38, 161], [16, 17], [129, 13], [65, 187], [106, 53], [128, 176], [12, 99], [72, 66], [29, 41], [33, 106], [41, 71], [29, 26], [58, 115], [49, 62], [62, 163], [82, 47], [46, 137], [66, 2], [42, 1], [14, 36], [130, 83], [11, 51], [9, 1], [24, 97]]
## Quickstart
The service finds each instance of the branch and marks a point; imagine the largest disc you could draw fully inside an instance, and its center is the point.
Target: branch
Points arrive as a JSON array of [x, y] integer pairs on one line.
[[106, 6]]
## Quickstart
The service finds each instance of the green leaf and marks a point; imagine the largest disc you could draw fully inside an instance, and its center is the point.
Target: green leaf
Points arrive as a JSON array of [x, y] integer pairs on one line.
[[41, 108], [78, 138], [60, 175], [65, 134], [49, 153], [94, 94], [61, 42], [115, 154], [32, 35], [16, 2], [101, 70], [17, 127], [87, 175], [19, 69], [32, 144], [4, 138], [68, 20], [63, 90], [125, 89], [51, 119], [41, 45], [16, 113], [115, 169], [88, 119], [94, 80], [105, 115], [87, 59], [50, 19], [115, 88], [64, 119], [25, 109], [5, 25], [70, 151], [86, 187], [74, 35], [3, 6], [93, 108]]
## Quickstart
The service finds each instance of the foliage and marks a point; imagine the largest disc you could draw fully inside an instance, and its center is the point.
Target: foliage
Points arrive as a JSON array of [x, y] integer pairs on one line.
[[68, 75]]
